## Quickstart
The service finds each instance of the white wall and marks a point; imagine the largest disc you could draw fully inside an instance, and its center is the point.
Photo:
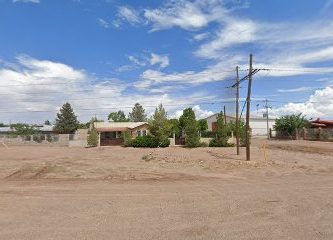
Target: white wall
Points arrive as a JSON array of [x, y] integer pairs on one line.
[[257, 125]]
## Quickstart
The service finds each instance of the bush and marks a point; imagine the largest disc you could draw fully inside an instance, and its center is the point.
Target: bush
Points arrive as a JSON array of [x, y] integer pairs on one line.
[[216, 143], [203, 144], [92, 139], [128, 141], [208, 134], [150, 142], [164, 143], [145, 142]]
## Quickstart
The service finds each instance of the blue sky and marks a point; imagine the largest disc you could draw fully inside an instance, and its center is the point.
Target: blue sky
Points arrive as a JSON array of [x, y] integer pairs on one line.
[[106, 55]]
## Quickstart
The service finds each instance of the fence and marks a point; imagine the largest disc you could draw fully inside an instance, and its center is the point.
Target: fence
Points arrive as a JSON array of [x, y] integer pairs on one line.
[[311, 134]]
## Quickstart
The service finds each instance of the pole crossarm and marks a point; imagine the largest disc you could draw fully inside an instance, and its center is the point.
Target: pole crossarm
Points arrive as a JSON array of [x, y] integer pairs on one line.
[[254, 71]]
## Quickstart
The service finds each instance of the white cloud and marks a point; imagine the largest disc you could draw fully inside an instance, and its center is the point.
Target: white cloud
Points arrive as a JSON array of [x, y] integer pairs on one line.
[[235, 32], [161, 60], [129, 14], [189, 15], [201, 36], [136, 61], [26, 1], [293, 90], [319, 104], [199, 113], [43, 85], [210, 74], [103, 23]]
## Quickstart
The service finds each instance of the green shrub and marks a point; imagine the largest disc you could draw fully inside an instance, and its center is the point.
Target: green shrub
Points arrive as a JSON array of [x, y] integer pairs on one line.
[[92, 139], [164, 143], [145, 142], [128, 141], [208, 134], [203, 144], [150, 142], [216, 143]]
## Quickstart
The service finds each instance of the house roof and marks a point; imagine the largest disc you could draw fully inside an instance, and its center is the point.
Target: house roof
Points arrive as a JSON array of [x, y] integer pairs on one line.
[[117, 126], [321, 123]]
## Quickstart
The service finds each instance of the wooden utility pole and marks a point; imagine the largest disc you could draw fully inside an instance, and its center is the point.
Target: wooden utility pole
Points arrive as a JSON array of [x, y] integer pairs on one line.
[[225, 116], [237, 109], [248, 109], [267, 124]]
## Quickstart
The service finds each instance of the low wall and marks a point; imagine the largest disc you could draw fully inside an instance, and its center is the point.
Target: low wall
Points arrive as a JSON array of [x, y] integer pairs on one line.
[[207, 140], [172, 141]]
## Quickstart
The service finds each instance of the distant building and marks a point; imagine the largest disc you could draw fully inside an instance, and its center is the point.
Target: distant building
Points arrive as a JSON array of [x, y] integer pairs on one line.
[[5, 130], [258, 125], [111, 132], [322, 123]]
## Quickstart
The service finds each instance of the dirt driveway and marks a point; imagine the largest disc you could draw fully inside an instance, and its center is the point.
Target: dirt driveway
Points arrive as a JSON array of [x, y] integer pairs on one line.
[[285, 192]]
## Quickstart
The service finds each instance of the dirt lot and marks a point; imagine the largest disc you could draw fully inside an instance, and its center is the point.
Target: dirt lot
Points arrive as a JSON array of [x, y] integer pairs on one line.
[[284, 192]]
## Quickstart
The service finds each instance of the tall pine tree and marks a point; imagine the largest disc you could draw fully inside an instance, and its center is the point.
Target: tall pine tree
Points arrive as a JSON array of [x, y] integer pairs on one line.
[[159, 125], [66, 121], [137, 114], [188, 124]]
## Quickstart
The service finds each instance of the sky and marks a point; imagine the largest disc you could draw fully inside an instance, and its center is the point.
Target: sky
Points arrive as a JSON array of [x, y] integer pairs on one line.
[[106, 55]]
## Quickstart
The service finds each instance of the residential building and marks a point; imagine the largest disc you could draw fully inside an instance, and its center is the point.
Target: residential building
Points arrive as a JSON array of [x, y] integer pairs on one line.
[[318, 123], [258, 125], [111, 133]]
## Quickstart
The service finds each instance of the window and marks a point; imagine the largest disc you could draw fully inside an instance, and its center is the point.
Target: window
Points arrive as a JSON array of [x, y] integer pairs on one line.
[[138, 133], [144, 132]]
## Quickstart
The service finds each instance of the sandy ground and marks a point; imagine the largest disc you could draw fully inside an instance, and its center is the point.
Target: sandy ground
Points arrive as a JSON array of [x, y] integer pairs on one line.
[[284, 192]]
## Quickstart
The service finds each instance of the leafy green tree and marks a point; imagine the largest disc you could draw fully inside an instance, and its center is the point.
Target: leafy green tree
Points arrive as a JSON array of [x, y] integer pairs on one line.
[[22, 129], [118, 116], [289, 123], [242, 131], [137, 114], [66, 121], [202, 125], [222, 130], [175, 127], [93, 136], [2, 125], [159, 125], [47, 122], [189, 125], [128, 141]]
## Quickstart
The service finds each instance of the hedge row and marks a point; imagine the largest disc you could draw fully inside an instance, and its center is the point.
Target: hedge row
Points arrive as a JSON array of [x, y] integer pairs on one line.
[[149, 142]]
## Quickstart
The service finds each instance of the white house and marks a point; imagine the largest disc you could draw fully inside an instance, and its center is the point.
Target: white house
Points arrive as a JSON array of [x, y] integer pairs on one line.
[[258, 125]]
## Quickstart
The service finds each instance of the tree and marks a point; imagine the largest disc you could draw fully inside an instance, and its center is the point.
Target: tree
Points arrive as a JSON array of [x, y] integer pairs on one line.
[[221, 136], [159, 125], [188, 124], [242, 131], [66, 121], [22, 129], [202, 125], [93, 136], [118, 116], [175, 127], [137, 114], [289, 123], [2, 125], [47, 122]]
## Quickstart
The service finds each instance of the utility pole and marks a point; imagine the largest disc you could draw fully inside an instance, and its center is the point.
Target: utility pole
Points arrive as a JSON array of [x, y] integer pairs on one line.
[[248, 109], [237, 109], [225, 116], [267, 125]]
